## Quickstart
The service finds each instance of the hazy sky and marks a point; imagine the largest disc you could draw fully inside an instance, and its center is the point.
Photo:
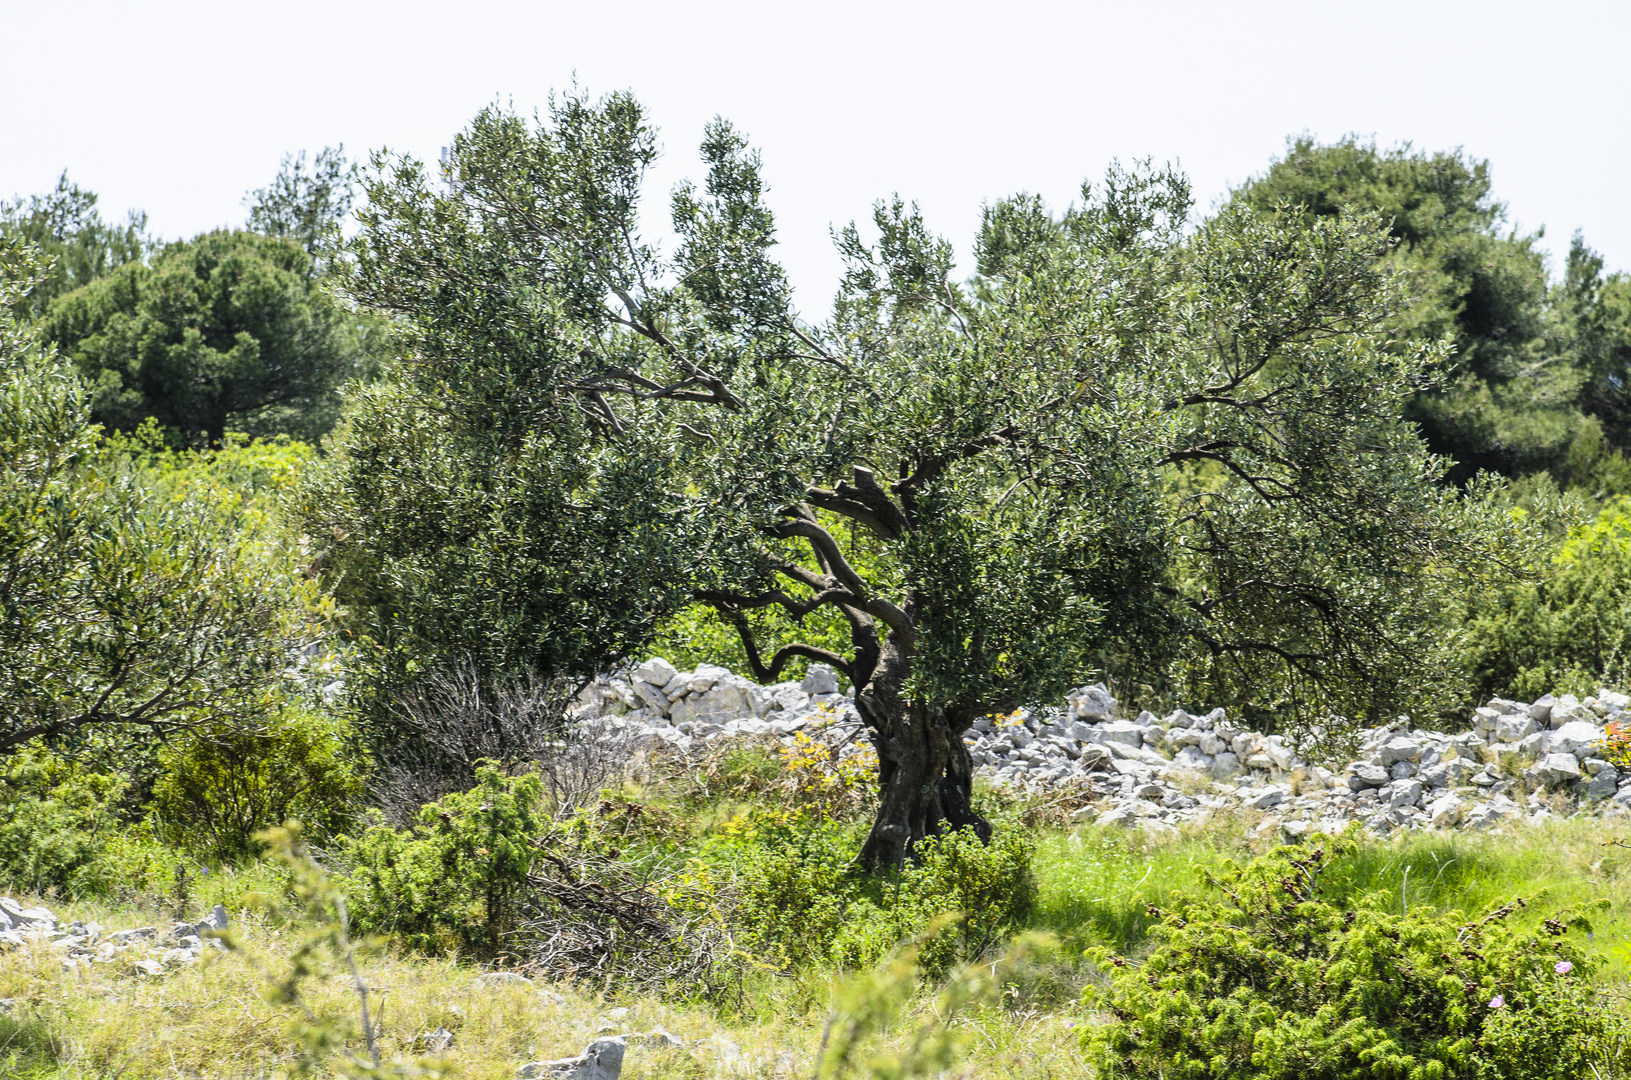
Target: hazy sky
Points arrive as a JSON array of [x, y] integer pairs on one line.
[[179, 108]]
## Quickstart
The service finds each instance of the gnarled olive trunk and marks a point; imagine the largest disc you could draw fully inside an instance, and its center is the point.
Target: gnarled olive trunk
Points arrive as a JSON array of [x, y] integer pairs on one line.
[[925, 773]]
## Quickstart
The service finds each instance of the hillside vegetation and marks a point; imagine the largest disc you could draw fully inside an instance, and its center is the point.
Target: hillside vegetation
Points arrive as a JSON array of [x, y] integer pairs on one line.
[[1035, 636]]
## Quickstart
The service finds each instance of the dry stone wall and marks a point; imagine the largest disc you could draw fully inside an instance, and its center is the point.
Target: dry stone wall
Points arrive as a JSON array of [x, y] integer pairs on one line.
[[1521, 761]]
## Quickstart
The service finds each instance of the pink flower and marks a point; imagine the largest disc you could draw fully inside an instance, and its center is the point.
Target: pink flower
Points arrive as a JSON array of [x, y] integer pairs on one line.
[[1563, 967], [1497, 1002]]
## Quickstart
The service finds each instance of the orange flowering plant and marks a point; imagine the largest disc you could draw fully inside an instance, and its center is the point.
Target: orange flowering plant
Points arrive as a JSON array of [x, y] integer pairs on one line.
[[1616, 745]]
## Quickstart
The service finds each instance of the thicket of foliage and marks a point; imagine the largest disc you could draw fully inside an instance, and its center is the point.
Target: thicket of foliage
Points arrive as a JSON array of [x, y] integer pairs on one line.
[[76, 245], [793, 890], [121, 609], [1531, 359], [229, 329], [1568, 631], [1273, 981]]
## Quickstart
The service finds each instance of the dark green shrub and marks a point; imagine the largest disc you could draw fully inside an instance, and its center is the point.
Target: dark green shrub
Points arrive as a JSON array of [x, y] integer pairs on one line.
[[456, 878], [1273, 982], [218, 789]]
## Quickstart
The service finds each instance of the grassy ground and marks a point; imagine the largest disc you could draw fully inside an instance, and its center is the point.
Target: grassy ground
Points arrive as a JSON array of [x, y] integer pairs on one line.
[[215, 1020]]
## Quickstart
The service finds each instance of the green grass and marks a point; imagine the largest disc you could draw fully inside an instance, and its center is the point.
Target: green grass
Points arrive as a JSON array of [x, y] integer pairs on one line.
[[1094, 886]]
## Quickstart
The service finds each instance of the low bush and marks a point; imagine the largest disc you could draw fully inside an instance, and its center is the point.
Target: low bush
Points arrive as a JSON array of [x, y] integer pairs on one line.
[[218, 789], [789, 880], [62, 836], [55, 825], [456, 878], [1274, 981], [1567, 631]]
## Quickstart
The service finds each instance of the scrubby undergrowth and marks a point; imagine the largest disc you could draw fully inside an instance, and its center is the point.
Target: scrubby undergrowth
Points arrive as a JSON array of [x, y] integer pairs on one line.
[[800, 924]]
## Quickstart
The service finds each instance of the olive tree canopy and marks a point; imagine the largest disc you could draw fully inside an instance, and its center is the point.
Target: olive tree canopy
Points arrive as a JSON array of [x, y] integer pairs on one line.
[[1129, 440]]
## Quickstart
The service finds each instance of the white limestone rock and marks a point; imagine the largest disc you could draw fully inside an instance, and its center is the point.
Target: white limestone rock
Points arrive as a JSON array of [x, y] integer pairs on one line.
[[656, 671], [819, 679], [1557, 768]]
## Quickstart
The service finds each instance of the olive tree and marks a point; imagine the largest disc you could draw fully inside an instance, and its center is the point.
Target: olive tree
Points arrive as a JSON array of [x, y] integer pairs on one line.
[[122, 610], [1130, 438]]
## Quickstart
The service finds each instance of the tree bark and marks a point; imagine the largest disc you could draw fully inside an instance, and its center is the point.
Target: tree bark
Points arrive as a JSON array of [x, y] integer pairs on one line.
[[925, 773]]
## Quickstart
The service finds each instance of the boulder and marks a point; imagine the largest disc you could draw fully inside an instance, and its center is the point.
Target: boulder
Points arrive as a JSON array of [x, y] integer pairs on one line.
[[1489, 813], [1091, 702], [820, 679], [651, 696], [1093, 759], [1278, 753], [1445, 811], [602, 1060], [656, 671], [1397, 749], [1368, 776], [1264, 798], [1405, 793], [1514, 727], [1535, 745], [1191, 758], [21, 918], [1603, 785], [1575, 736], [703, 678], [1122, 731], [1557, 768], [1541, 710]]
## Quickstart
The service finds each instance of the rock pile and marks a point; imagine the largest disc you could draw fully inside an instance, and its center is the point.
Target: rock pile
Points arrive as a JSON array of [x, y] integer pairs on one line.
[[144, 949], [685, 708], [1520, 761]]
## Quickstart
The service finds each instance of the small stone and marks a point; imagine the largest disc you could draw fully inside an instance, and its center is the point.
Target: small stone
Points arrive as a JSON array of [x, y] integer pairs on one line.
[[150, 968], [655, 1039], [439, 1041], [493, 979]]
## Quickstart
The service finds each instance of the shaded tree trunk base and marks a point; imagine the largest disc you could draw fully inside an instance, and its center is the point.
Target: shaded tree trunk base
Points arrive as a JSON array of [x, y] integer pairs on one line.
[[925, 777]]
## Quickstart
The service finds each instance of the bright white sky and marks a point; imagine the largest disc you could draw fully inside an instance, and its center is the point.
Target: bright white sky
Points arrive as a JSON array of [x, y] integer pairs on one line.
[[179, 108]]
